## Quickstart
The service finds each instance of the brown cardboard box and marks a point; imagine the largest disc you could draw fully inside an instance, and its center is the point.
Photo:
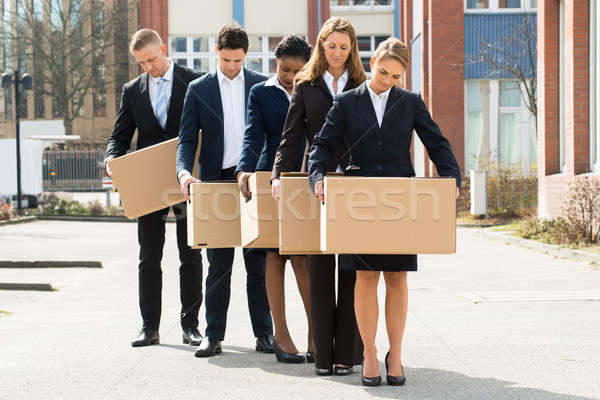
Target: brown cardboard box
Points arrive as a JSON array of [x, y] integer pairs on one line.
[[147, 180], [299, 216], [213, 215], [375, 215], [259, 215]]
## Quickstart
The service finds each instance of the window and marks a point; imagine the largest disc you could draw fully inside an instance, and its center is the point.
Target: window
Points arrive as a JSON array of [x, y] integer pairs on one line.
[[478, 4], [509, 151], [366, 48], [499, 128], [358, 5], [197, 52], [594, 88], [500, 5], [478, 123]]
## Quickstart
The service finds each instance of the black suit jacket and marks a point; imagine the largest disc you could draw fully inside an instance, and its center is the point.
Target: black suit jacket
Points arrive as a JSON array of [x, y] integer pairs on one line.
[[310, 103], [380, 151], [203, 110], [136, 113]]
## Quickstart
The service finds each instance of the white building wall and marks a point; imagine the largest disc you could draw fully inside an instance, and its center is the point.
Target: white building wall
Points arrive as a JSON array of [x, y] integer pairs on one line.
[[198, 17], [276, 17]]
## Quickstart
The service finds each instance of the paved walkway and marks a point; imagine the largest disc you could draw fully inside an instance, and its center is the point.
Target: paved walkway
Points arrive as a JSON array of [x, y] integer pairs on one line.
[[493, 321]]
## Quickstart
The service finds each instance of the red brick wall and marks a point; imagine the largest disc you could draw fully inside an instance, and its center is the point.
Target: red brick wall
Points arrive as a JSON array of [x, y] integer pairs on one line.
[[313, 18], [154, 14], [445, 71], [552, 186]]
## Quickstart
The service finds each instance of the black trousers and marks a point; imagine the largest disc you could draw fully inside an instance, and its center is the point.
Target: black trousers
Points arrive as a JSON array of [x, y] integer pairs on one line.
[[218, 287], [335, 332], [151, 237]]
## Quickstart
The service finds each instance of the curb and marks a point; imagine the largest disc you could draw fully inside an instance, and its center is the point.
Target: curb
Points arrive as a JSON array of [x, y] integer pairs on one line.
[[90, 219], [18, 220], [39, 287], [550, 249], [50, 264], [469, 225]]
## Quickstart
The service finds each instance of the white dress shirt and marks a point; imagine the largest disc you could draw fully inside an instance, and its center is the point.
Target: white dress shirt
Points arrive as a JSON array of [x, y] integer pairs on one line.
[[341, 83], [154, 84], [233, 96], [379, 101], [273, 81]]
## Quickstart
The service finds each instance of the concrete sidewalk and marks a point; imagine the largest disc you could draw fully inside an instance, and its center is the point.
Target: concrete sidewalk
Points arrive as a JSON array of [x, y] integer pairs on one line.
[[493, 321]]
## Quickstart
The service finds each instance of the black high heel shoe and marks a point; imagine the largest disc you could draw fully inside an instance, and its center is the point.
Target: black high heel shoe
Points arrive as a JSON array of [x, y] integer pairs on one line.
[[310, 357], [285, 357], [369, 381], [393, 380]]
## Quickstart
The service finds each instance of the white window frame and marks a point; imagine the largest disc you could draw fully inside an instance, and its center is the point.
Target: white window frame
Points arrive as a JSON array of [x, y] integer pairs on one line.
[[494, 8], [369, 53], [190, 55], [495, 110], [264, 54], [594, 87], [561, 87], [371, 7]]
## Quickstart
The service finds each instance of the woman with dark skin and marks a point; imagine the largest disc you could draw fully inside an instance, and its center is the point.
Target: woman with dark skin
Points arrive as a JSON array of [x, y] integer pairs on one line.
[[268, 103]]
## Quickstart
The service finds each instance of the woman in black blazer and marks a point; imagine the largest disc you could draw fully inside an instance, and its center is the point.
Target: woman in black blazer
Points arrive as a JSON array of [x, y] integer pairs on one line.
[[375, 121], [268, 104], [334, 66]]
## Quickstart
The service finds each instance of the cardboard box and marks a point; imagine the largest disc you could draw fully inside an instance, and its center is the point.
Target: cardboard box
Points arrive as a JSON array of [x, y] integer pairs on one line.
[[299, 216], [213, 215], [259, 214], [147, 180], [376, 215]]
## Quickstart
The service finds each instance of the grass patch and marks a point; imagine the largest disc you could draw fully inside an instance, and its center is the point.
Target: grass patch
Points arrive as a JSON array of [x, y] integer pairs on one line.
[[510, 227]]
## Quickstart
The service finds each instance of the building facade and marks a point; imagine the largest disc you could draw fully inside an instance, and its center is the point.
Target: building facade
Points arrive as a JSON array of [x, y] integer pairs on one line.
[[94, 119], [569, 98]]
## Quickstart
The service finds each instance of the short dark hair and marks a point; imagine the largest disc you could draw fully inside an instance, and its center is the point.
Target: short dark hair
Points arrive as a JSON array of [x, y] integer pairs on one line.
[[293, 46], [232, 37]]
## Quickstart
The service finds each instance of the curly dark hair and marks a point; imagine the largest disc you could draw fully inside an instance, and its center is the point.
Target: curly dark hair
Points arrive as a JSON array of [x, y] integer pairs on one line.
[[232, 37], [293, 46]]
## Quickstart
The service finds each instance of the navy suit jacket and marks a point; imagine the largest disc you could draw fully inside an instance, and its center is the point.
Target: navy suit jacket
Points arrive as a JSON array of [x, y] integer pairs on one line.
[[380, 151], [267, 109], [203, 110]]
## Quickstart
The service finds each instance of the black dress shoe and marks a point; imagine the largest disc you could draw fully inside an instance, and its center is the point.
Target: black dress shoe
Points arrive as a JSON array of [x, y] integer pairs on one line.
[[264, 344], [339, 370], [310, 357], [209, 347], [394, 380], [285, 357], [370, 381], [323, 371], [192, 336], [146, 337]]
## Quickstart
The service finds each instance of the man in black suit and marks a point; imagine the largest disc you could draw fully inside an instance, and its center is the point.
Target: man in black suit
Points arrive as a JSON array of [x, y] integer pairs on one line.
[[216, 104], [152, 104]]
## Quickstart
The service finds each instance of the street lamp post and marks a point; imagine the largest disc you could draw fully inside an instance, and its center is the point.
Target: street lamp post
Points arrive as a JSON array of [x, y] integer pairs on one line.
[[27, 83]]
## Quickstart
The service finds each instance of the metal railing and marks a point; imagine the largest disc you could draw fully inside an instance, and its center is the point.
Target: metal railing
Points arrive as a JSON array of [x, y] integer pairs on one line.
[[73, 170]]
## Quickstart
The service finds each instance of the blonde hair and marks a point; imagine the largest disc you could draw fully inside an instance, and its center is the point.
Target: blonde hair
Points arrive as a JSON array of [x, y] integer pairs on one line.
[[143, 38], [317, 65], [392, 48]]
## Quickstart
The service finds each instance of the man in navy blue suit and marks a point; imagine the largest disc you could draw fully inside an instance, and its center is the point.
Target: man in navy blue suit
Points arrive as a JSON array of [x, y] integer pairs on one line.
[[216, 104]]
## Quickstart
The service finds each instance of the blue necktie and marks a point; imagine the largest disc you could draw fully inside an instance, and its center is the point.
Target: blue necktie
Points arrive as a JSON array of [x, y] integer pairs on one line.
[[160, 106]]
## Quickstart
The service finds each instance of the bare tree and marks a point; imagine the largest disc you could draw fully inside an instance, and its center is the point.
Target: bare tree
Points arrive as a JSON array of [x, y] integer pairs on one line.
[[513, 56], [67, 42]]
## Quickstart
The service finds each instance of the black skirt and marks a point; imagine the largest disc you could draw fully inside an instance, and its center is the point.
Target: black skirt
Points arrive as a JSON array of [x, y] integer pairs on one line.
[[378, 262]]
